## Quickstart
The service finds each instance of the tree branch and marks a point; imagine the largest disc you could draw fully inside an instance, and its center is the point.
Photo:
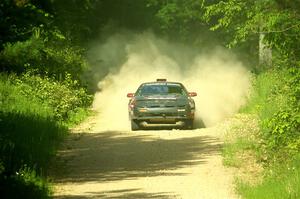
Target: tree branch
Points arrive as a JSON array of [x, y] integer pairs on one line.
[[278, 31]]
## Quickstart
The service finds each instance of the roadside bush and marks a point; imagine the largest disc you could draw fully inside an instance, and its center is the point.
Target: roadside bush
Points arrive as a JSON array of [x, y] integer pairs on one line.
[[281, 131], [29, 132], [63, 97], [34, 114], [276, 100]]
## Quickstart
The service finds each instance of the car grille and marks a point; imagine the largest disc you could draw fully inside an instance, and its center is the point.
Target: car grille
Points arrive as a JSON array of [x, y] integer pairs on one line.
[[164, 114], [162, 106]]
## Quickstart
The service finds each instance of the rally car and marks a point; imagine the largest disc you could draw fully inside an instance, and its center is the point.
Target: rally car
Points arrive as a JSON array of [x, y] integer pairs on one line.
[[161, 102]]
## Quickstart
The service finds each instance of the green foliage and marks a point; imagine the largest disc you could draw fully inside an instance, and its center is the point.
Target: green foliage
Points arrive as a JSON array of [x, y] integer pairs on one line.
[[178, 15], [279, 20], [261, 94], [266, 98], [77, 115], [29, 132], [34, 112], [13, 101], [64, 98], [26, 183], [183, 20], [282, 129], [17, 56], [18, 18], [276, 92], [186, 21], [53, 58], [275, 99]]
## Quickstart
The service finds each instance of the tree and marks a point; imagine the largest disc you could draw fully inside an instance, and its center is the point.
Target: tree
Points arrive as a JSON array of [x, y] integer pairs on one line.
[[183, 19], [18, 18], [278, 20]]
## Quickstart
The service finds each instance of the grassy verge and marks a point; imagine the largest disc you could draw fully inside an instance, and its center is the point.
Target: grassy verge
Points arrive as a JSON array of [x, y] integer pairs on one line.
[[240, 148], [255, 177], [32, 126], [281, 182], [266, 154]]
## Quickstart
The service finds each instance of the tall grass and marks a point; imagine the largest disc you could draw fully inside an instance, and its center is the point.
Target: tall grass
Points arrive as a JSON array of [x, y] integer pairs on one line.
[[280, 183], [231, 151], [263, 100], [30, 134]]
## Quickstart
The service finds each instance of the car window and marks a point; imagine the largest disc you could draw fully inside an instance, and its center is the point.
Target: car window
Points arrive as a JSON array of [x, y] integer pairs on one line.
[[161, 89]]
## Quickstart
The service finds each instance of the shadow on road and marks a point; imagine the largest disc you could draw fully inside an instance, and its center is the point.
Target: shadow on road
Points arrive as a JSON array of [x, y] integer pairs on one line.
[[109, 156], [124, 193]]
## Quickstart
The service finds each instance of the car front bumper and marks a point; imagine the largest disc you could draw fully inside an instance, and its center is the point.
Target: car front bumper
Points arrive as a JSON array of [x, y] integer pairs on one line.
[[163, 115]]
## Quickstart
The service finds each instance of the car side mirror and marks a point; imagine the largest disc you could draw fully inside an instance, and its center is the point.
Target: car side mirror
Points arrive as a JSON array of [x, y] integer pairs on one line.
[[192, 94], [130, 95]]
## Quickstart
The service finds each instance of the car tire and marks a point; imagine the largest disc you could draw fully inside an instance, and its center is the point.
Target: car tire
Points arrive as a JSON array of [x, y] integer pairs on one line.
[[134, 125], [189, 124]]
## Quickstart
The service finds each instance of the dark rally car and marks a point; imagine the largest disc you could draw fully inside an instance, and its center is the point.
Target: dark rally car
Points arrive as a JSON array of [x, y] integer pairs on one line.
[[161, 102]]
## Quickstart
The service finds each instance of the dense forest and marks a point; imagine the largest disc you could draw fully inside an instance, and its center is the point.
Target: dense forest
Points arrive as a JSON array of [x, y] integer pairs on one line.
[[43, 59]]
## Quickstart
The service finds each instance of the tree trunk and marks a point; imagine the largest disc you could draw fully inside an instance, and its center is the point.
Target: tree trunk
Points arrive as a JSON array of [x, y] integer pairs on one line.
[[265, 52]]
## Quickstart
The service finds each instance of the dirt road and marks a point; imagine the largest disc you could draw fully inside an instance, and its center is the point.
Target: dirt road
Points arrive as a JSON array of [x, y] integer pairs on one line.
[[146, 164]]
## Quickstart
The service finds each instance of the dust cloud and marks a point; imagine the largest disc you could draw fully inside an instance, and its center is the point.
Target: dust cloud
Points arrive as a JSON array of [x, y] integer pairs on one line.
[[124, 61]]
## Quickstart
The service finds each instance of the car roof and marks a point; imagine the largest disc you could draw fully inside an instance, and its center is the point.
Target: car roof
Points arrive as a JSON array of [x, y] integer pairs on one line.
[[161, 82]]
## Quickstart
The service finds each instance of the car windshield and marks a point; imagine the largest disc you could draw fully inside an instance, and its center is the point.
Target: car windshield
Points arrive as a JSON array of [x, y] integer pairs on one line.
[[161, 89]]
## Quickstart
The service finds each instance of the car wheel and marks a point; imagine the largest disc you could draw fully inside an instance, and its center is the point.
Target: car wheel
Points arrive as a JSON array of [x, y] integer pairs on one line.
[[134, 125], [188, 124]]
